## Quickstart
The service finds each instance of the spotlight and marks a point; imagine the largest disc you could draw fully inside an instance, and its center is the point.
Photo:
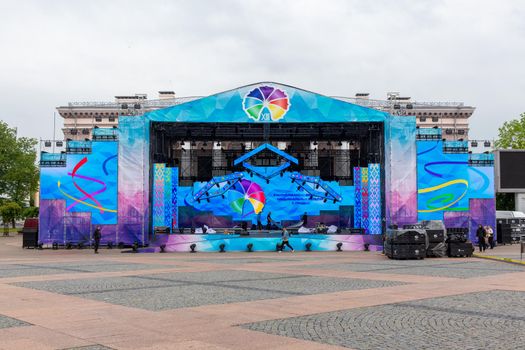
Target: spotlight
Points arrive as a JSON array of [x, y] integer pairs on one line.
[[299, 187], [182, 143], [267, 181], [315, 143], [80, 245], [40, 245], [205, 143], [110, 245], [249, 246], [192, 247], [218, 144], [181, 230], [335, 200], [193, 143], [308, 246], [339, 143], [162, 248], [135, 247], [324, 200], [339, 247], [55, 245], [222, 246], [120, 245], [282, 173], [317, 186], [367, 245], [69, 245], [218, 186]]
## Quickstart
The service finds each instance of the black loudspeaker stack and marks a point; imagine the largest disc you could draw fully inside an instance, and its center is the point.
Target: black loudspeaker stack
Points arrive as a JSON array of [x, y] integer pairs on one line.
[[510, 230], [458, 243], [405, 244], [436, 243]]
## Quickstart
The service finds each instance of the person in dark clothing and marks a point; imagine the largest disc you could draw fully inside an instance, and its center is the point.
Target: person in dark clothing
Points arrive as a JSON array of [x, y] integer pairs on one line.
[[259, 223], [97, 235], [304, 218], [285, 238], [269, 221], [480, 234]]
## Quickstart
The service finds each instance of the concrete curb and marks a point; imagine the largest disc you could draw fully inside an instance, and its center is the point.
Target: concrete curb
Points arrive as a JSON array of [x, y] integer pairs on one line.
[[497, 258]]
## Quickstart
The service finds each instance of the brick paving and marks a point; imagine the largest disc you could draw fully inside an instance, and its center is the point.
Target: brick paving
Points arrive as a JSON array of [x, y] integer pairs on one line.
[[7, 322], [74, 299], [487, 320]]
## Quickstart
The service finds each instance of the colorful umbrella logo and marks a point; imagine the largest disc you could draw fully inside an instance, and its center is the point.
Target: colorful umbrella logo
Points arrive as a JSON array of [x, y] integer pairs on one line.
[[247, 191], [266, 103]]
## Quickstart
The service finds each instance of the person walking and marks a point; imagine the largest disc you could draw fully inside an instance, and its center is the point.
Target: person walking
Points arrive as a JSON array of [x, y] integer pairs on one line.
[[285, 237], [304, 219], [480, 233], [490, 236], [269, 221], [97, 235]]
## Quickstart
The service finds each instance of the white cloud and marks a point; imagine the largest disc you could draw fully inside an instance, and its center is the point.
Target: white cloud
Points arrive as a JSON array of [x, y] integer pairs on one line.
[[59, 51]]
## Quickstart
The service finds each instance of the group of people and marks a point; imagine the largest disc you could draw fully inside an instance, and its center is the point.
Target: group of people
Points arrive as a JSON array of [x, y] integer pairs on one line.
[[485, 236]]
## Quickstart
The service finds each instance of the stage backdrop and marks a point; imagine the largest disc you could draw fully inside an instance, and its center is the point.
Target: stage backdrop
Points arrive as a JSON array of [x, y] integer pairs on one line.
[[80, 195]]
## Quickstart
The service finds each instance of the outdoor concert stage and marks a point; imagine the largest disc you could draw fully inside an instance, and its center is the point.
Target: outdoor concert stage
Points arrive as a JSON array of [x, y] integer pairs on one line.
[[229, 160]]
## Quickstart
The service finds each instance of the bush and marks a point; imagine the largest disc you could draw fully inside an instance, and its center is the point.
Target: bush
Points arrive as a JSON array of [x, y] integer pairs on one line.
[[30, 212], [10, 211]]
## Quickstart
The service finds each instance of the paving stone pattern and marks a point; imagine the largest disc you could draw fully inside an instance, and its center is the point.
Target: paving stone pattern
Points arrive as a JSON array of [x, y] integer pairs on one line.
[[177, 290], [482, 320], [7, 322], [428, 267], [90, 347], [18, 270]]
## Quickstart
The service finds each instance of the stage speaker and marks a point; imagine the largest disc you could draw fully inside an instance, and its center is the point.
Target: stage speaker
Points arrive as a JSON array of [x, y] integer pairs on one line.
[[437, 250], [30, 239], [405, 251], [436, 236], [410, 236], [161, 229], [457, 237], [504, 233], [457, 249]]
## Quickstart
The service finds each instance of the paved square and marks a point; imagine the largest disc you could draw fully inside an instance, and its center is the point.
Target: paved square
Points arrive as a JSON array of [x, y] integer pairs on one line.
[[73, 299], [16, 270], [428, 267], [178, 290], [487, 320], [7, 322]]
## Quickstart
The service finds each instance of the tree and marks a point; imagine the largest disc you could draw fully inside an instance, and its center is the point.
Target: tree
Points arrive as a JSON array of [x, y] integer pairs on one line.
[[18, 170], [512, 134], [30, 212], [9, 212]]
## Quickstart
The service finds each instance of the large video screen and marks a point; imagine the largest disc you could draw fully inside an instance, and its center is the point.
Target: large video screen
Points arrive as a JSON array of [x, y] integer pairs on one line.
[[512, 170]]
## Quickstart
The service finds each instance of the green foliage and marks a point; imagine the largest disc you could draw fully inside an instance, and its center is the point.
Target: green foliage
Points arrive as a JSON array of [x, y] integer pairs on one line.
[[30, 212], [512, 134], [18, 169], [10, 211], [505, 201]]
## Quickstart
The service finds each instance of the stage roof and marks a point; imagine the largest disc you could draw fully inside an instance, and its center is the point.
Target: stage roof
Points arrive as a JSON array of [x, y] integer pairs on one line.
[[267, 102]]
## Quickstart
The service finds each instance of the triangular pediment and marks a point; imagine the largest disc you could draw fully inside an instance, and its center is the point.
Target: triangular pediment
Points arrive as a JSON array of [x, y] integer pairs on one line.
[[267, 102]]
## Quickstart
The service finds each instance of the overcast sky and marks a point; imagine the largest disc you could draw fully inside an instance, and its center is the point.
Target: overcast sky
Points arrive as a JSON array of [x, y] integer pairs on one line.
[[53, 52]]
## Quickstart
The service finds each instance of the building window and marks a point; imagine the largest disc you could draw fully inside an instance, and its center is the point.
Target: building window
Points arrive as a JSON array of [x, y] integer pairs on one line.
[[98, 119], [73, 131], [422, 119], [461, 132], [85, 131], [435, 119], [111, 119]]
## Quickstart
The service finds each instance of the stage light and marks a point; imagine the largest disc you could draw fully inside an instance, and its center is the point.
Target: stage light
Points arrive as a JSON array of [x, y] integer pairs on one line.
[[299, 187], [80, 245], [205, 143], [110, 245], [162, 248], [315, 143], [208, 200], [329, 143], [55, 245], [311, 197], [181, 230], [308, 246], [222, 246], [435, 127], [182, 143], [282, 173], [193, 246], [218, 144], [317, 186], [193, 143], [367, 247], [249, 246], [135, 247], [267, 181], [40, 246], [120, 245], [335, 200], [339, 143], [69, 245], [339, 247], [324, 200]]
